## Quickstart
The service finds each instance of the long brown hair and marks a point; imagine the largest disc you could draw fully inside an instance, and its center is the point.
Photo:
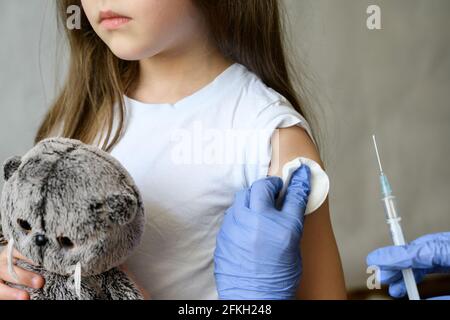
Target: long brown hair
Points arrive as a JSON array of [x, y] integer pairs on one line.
[[250, 32]]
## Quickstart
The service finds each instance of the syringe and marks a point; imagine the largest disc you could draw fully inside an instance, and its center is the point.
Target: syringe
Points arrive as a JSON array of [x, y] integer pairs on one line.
[[393, 219]]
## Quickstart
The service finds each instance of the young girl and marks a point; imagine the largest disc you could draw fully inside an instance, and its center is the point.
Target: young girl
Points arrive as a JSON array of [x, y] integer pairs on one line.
[[172, 88]]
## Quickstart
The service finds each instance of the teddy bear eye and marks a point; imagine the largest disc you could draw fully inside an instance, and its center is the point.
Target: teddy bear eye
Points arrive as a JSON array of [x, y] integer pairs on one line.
[[24, 225], [65, 242]]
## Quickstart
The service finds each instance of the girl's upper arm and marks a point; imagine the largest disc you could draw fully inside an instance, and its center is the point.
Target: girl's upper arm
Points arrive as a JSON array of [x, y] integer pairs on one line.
[[322, 276]]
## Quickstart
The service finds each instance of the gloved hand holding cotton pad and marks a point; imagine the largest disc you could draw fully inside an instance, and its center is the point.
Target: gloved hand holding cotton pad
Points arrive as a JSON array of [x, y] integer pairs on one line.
[[320, 184]]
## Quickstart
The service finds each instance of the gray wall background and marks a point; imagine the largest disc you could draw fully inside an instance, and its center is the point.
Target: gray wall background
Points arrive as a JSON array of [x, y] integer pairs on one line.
[[394, 82]]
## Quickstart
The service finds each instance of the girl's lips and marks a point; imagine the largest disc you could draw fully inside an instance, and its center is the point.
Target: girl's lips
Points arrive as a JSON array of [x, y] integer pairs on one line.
[[111, 20]]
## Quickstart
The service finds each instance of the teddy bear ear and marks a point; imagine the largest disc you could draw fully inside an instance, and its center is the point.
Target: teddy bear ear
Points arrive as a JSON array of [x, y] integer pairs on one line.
[[121, 207], [10, 166]]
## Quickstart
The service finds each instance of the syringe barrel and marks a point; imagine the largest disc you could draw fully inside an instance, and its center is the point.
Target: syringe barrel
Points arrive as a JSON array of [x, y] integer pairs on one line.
[[393, 219], [396, 232], [399, 240], [390, 207]]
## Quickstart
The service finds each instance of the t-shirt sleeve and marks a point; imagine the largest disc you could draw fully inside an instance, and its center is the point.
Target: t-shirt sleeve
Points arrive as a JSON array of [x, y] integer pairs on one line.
[[275, 116]]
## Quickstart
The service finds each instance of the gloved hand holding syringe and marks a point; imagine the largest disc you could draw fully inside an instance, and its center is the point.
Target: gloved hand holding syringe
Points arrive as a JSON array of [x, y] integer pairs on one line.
[[393, 219]]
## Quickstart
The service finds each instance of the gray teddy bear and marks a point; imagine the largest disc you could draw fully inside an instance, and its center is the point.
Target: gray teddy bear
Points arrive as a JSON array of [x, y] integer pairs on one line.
[[74, 211]]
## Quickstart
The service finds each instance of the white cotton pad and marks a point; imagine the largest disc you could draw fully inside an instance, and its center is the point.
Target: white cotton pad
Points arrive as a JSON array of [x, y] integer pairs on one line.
[[320, 184]]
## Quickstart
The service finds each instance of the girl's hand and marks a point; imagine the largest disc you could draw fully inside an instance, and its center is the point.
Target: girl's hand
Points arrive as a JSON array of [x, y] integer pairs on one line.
[[26, 278], [144, 292]]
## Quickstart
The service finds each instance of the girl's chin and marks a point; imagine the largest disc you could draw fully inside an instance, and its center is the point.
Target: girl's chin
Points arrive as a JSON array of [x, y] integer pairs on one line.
[[128, 53]]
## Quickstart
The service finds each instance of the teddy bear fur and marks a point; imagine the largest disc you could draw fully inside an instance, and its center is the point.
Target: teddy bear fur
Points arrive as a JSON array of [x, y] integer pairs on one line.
[[63, 203]]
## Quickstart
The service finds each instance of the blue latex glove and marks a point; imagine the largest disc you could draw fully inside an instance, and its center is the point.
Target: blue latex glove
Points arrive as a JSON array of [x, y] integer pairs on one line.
[[427, 254], [257, 254]]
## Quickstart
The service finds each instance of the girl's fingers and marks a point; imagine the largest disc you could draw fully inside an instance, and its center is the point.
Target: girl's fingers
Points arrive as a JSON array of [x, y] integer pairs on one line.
[[8, 293], [144, 292], [25, 277]]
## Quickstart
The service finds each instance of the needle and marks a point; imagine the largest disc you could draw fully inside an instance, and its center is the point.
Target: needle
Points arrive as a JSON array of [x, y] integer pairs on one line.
[[378, 155]]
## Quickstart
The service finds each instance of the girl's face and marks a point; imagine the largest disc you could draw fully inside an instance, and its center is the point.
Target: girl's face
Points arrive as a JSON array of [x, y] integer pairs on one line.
[[138, 29]]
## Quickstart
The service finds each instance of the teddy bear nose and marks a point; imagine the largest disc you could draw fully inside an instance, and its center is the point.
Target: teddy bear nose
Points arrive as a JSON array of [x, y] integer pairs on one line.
[[40, 240]]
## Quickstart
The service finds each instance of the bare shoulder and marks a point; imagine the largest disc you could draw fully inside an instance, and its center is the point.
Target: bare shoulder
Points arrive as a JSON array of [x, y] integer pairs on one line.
[[290, 143]]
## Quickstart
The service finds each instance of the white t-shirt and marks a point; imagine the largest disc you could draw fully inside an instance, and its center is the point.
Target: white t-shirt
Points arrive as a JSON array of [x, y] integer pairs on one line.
[[189, 159]]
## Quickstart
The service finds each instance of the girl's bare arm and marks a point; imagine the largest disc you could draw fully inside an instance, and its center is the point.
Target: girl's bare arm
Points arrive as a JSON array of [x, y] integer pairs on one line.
[[322, 277]]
